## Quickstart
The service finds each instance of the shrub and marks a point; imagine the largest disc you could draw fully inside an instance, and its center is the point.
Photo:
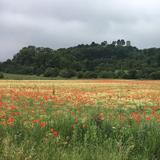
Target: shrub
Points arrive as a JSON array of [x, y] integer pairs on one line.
[[1, 76], [89, 74], [51, 72], [155, 75], [80, 74], [106, 74], [67, 73]]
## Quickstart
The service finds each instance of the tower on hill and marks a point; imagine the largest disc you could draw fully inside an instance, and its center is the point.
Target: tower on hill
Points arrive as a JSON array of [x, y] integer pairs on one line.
[[128, 43]]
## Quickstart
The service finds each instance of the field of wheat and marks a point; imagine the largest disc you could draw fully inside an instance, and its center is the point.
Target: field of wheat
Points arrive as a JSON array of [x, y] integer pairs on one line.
[[79, 119]]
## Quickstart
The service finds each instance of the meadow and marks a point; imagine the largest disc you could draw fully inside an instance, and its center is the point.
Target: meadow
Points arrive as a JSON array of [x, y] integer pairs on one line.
[[79, 120]]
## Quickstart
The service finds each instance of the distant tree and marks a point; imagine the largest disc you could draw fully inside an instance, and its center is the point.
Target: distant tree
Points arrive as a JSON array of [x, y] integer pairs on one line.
[[104, 43], [106, 74], [93, 44], [25, 56], [51, 72], [158, 60], [1, 76], [39, 70], [80, 74], [87, 61], [114, 43], [67, 73], [132, 74], [90, 74], [155, 75]]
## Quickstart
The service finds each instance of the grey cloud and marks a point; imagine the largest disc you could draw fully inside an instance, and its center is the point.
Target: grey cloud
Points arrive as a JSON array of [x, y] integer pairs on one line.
[[61, 23]]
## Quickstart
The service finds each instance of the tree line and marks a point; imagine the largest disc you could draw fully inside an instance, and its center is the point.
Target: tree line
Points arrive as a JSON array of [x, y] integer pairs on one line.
[[115, 60]]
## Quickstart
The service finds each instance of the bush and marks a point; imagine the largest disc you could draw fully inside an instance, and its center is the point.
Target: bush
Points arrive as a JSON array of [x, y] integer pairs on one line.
[[106, 74], [89, 74], [1, 76], [39, 71], [67, 73], [80, 74], [51, 72], [155, 75], [131, 74]]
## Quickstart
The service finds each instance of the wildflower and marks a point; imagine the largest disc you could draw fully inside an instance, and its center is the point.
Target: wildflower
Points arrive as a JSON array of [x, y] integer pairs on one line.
[[155, 108], [42, 124], [46, 98], [12, 107], [148, 118], [10, 120], [55, 133], [52, 129], [136, 117], [35, 121]]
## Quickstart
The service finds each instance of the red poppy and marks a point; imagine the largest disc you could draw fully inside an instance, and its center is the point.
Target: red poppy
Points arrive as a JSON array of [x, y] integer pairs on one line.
[[35, 121], [73, 126], [148, 118], [136, 117], [55, 133], [42, 124], [10, 120], [12, 107]]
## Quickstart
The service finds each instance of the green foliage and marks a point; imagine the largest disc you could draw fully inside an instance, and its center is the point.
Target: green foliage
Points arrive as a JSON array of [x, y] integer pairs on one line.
[[1, 76], [24, 77], [106, 74], [155, 75], [89, 74], [51, 72], [87, 61], [96, 138], [80, 74], [67, 73]]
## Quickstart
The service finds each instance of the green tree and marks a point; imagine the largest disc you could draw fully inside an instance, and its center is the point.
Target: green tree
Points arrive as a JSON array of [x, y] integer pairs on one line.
[[67, 73], [51, 72], [1, 75], [90, 74], [155, 75], [106, 74]]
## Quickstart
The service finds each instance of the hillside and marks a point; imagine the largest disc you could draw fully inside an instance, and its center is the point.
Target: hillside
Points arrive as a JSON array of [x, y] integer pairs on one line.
[[86, 61]]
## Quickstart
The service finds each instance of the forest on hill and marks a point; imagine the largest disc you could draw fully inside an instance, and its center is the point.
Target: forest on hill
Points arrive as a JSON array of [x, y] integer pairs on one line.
[[94, 60]]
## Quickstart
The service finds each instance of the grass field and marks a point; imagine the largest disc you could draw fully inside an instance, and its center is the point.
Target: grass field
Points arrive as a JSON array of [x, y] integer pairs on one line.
[[79, 120], [9, 76]]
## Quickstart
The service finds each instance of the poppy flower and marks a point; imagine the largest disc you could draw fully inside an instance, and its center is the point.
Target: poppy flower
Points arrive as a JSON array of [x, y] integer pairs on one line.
[[73, 126], [148, 118], [55, 133], [42, 124], [35, 121], [10, 120]]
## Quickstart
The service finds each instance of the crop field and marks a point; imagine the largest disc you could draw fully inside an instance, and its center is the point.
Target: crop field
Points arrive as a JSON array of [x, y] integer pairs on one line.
[[79, 120]]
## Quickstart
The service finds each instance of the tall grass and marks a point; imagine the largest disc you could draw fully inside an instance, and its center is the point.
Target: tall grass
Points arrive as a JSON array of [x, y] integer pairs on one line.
[[87, 133]]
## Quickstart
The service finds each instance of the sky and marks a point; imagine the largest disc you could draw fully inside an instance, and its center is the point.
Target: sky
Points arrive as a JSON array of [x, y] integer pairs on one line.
[[66, 23]]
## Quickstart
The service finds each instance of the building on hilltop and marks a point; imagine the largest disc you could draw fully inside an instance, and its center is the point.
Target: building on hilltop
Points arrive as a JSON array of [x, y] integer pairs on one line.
[[128, 43]]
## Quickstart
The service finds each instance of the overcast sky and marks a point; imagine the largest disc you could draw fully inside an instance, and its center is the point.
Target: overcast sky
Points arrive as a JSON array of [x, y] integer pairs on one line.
[[65, 23]]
